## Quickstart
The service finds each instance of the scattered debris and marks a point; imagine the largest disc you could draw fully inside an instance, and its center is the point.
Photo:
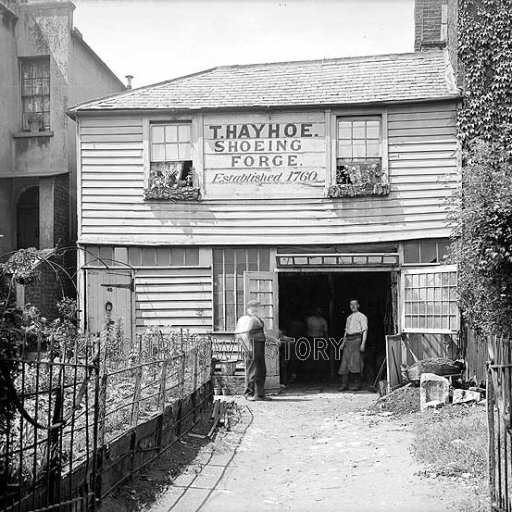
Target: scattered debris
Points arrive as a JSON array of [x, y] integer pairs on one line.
[[441, 366], [404, 400], [462, 396], [220, 414], [434, 391], [433, 404]]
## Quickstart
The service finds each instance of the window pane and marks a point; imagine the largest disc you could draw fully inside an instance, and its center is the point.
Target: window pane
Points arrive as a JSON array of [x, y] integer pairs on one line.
[[428, 252], [345, 150], [373, 149], [184, 151], [171, 152], [411, 252], [157, 133], [359, 130], [443, 249], [171, 133], [359, 149], [184, 133], [345, 130], [373, 129], [158, 152], [191, 256]]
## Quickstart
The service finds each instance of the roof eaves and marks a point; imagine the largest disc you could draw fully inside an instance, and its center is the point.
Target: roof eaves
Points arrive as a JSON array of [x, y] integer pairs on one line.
[[371, 102], [85, 104]]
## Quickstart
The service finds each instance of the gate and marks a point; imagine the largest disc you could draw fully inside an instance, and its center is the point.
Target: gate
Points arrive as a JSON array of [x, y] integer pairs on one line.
[[48, 429], [499, 408]]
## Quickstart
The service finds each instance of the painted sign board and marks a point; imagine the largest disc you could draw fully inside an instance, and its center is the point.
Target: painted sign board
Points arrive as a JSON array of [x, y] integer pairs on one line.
[[259, 155]]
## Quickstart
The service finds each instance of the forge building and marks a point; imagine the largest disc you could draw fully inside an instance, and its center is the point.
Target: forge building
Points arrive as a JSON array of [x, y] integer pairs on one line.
[[302, 184], [45, 66]]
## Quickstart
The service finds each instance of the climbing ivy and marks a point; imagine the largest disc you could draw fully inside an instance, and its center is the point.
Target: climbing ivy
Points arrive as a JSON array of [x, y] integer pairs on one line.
[[483, 222], [485, 51]]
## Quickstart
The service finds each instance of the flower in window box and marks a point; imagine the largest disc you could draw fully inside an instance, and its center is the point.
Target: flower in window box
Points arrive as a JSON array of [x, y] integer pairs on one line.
[[35, 121], [355, 176]]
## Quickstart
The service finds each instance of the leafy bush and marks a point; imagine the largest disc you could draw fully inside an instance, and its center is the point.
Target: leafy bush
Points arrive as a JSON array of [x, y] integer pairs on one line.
[[483, 228]]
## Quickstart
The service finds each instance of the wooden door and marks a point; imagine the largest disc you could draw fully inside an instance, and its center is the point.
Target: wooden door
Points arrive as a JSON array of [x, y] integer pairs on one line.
[[109, 300], [394, 360], [263, 286]]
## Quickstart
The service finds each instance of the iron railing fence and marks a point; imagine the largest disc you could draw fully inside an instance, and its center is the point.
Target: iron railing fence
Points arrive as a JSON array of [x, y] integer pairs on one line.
[[47, 440], [499, 409], [83, 419]]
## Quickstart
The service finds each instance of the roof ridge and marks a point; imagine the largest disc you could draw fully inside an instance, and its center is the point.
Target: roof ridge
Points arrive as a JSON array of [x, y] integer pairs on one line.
[[360, 58]]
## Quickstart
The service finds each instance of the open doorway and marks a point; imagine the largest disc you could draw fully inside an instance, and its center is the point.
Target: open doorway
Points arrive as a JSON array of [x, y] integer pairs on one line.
[[27, 219], [301, 293]]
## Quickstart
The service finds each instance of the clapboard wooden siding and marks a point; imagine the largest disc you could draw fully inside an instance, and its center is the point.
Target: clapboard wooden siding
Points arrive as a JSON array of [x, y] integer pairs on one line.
[[181, 298], [423, 171]]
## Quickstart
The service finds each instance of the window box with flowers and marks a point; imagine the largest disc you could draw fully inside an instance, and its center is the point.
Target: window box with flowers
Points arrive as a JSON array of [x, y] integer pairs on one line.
[[171, 174], [359, 170]]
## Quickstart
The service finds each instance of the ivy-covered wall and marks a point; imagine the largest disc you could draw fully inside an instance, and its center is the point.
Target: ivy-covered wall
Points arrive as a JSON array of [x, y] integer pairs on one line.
[[485, 49], [483, 221]]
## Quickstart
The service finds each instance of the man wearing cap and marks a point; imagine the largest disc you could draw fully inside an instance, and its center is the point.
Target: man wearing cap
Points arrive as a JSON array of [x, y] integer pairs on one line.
[[356, 331], [250, 331]]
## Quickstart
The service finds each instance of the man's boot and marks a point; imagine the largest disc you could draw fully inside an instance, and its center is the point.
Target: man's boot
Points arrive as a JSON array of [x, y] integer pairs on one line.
[[356, 382], [344, 382]]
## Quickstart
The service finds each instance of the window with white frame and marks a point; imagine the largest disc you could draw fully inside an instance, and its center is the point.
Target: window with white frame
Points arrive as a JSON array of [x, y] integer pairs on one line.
[[359, 139], [429, 300], [359, 169], [171, 165]]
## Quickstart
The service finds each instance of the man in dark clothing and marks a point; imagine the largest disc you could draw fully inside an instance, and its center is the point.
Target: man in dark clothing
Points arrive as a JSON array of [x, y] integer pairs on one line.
[[250, 332]]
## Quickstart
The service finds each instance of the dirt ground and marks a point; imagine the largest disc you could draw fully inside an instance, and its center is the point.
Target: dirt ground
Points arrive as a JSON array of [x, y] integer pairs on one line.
[[308, 449]]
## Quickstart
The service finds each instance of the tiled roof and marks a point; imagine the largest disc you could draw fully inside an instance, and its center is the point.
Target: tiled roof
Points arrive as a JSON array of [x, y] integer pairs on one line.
[[354, 80]]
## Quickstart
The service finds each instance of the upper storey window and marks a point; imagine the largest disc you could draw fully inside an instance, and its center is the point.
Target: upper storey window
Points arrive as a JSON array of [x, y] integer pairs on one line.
[[35, 94], [359, 139], [171, 166], [359, 170]]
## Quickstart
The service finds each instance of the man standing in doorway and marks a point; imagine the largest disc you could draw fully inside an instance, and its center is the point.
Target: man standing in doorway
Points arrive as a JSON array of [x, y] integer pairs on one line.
[[356, 332], [250, 332], [317, 329]]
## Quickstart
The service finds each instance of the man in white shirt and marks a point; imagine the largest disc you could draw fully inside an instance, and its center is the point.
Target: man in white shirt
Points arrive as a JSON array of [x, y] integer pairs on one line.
[[356, 332], [250, 331]]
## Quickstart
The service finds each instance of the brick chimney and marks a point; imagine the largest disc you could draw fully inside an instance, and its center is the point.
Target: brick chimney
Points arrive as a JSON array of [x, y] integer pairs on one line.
[[436, 27], [431, 24]]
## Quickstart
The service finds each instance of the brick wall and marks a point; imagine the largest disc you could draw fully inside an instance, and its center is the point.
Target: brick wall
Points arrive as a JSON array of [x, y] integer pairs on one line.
[[61, 218], [47, 289], [430, 24]]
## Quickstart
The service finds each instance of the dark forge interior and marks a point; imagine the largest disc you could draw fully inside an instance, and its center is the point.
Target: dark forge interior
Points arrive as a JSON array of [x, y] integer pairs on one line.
[[301, 293]]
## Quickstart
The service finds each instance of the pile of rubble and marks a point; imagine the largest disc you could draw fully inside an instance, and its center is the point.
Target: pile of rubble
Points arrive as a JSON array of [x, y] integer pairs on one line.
[[432, 383], [404, 400], [436, 391]]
